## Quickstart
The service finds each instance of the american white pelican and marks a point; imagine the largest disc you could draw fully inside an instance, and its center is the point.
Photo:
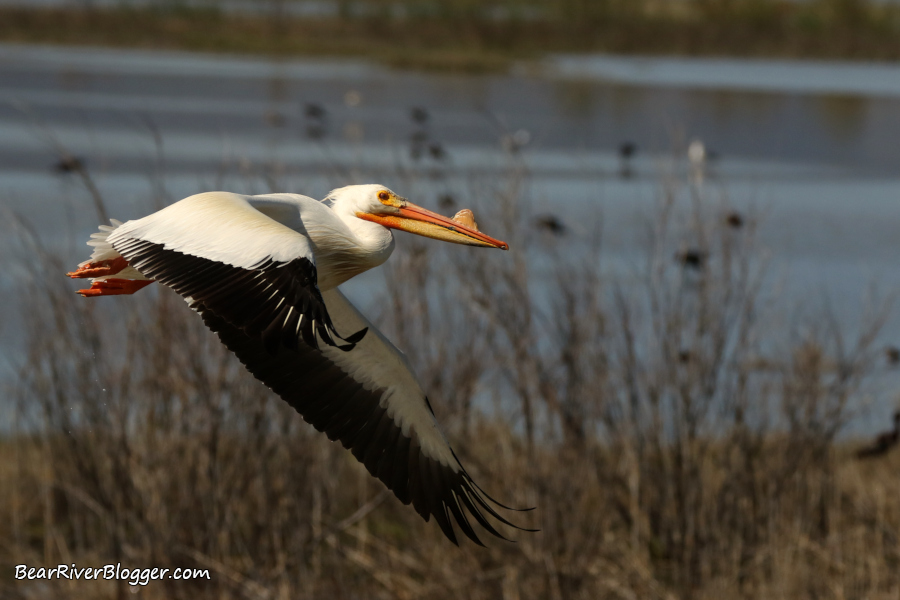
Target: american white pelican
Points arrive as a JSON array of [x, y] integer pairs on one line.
[[263, 273]]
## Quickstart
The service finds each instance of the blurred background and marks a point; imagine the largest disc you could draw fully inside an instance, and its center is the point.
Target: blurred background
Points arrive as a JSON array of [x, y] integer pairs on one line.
[[683, 360]]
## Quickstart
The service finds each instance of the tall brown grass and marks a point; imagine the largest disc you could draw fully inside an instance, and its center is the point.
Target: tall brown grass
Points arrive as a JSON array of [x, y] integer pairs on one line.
[[676, 442]]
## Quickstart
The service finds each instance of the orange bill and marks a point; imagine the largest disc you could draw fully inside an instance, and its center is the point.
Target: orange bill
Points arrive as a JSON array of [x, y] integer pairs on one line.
[[421, 221]]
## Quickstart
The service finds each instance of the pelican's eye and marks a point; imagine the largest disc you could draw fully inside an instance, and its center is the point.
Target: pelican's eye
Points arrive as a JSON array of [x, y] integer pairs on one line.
[[384, 196]]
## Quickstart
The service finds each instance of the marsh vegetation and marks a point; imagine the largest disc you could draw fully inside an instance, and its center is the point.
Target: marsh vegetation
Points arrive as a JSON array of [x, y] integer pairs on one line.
[[676, 426]]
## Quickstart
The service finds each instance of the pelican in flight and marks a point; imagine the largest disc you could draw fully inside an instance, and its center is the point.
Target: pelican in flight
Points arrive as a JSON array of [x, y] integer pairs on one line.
[[263, 273]]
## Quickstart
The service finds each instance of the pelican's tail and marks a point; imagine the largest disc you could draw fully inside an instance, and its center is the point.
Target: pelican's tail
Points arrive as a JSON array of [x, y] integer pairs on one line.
[[109, 272]]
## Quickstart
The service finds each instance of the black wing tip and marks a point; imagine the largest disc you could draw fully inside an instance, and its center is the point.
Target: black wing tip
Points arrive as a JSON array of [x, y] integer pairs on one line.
[[479, 488], [356, 337], [351, 340], [503, 506], [469, 501], [445, 492]]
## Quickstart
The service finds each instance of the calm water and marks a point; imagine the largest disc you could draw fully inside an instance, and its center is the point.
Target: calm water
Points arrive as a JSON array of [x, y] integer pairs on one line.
[[814, 146]]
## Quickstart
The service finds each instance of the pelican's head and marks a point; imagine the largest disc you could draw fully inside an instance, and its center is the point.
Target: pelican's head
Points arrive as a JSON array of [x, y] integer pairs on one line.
[[378, 204]]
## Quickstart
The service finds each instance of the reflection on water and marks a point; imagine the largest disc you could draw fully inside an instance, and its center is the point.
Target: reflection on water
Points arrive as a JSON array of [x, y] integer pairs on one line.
[[844, 116], [777, 76], [576, 99], [277, 89], [727, 106], [72, 80]]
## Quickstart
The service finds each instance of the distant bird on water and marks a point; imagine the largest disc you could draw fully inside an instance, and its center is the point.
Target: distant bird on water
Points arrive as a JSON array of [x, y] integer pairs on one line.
[[419, 115], [884, 442], [892, 354], [734, 220], [692, 258], [627, 151], [551, 224], [316, 120], [314, 110], [68, 164], [263, 273], [446, 201]]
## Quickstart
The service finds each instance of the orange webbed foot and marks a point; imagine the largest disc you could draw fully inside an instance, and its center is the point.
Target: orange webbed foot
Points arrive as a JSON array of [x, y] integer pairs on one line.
[[101, 268], [114, 287]]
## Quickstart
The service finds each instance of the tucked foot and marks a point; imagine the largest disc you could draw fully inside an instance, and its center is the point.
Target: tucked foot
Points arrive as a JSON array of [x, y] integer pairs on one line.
[[114, 287], [101, 268]]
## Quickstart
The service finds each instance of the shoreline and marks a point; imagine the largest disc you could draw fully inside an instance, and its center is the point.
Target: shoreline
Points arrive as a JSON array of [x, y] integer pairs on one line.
[[453, 44]]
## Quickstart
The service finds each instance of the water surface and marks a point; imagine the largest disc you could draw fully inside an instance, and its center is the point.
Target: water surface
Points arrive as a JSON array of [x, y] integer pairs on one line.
[[810, 145]]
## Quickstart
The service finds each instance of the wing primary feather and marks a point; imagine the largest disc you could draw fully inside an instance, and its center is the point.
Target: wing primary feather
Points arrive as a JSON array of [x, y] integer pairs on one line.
[[431, 482], [324, 419], [271, 335], [348, 433], [377, 444], [306, 330], [351, 415], [356, 337], [400, 480], [486, 495], [473, 510], [384, 470], [487, 507], [289, 330], [415, 481], [460, 515], [364, 436], [322, 330], [432, 501]]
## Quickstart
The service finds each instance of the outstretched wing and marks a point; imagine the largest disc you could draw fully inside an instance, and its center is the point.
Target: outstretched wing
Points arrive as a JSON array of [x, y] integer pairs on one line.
[[255, 273], [370, 401]]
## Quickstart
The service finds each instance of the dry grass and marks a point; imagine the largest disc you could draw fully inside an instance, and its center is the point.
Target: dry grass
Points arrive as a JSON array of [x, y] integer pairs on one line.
[[676, 444]]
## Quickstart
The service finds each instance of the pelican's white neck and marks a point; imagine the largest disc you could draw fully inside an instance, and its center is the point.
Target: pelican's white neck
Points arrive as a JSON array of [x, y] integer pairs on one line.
[[346, 251], [374, 238], [343, 244]]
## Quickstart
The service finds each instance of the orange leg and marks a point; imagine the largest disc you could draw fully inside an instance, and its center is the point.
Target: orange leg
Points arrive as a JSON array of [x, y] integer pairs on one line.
[[114, 287], [101, 268]]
